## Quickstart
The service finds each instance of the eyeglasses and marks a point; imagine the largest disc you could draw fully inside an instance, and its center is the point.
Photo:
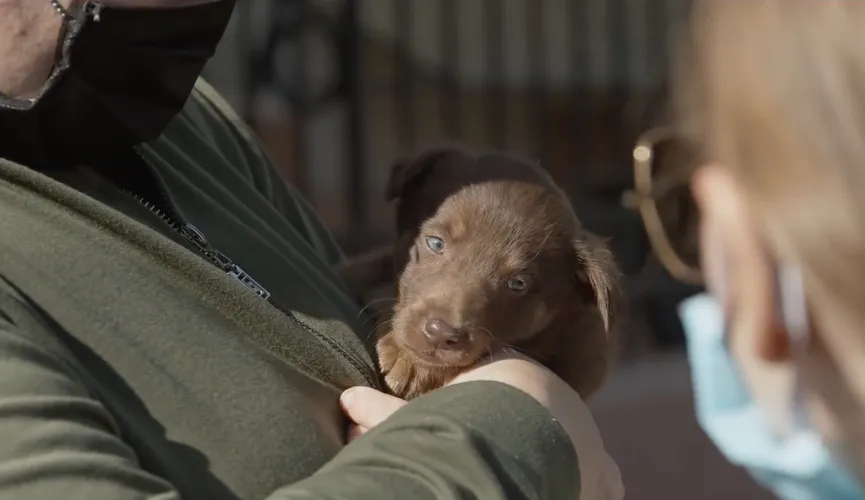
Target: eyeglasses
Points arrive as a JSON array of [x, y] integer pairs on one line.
[[663, 162]]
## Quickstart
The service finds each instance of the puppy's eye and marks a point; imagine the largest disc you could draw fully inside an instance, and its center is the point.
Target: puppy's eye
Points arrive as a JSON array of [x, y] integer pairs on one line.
[[435, 244], [517, 284]]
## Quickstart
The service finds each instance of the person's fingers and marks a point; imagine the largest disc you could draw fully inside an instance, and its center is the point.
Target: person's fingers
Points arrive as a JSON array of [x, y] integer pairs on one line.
[[355, 431], [368, 407]]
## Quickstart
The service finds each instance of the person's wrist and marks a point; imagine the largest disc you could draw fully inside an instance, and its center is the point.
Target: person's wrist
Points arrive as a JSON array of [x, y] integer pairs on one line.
[[534, 379], [600, 474]]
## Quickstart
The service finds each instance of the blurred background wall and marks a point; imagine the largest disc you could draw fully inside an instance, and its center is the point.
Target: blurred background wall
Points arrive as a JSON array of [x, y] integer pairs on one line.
[[337, 89]]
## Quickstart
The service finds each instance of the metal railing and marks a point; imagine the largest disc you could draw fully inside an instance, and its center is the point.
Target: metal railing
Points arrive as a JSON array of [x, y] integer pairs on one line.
[[569, 82]]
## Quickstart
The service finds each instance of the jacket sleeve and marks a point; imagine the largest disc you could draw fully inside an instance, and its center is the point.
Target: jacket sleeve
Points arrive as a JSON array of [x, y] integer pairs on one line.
[[477, 440], [481, 440], [56, 439]]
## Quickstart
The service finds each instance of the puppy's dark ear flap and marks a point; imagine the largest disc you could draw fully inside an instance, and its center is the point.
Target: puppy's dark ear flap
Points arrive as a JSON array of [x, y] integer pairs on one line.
[[397, 178], [598, 270], [405, 170]]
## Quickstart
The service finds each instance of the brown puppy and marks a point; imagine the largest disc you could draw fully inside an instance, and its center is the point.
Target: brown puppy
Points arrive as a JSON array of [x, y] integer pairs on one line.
[[489, 255]]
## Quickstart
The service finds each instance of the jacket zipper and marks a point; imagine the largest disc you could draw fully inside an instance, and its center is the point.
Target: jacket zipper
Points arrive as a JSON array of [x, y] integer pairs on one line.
[[194, 236], [170, 216]]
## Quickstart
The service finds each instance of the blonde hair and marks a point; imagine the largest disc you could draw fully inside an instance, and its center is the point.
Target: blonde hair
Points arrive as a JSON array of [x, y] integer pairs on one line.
[[774, 90]]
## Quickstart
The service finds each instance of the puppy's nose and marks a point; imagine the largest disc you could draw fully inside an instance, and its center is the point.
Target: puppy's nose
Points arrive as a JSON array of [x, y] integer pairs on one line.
[[442, 334]]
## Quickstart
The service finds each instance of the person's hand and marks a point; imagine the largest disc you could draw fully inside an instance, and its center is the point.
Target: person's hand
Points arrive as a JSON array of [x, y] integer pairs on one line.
[[366, 408], [600, 475]]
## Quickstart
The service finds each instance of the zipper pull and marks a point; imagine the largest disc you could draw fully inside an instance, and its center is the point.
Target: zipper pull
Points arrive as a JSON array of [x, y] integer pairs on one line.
[[196, 237], [93, 10]]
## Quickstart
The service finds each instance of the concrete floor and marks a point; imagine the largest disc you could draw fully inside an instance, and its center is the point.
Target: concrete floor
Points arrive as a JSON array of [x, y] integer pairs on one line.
[[646, 417]]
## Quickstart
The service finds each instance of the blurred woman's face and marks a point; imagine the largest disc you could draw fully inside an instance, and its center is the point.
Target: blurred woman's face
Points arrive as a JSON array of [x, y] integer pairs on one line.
[[739, 273], [772, 90]]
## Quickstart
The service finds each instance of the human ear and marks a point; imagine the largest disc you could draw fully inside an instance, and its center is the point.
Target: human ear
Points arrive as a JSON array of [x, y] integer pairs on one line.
[[736, 265]]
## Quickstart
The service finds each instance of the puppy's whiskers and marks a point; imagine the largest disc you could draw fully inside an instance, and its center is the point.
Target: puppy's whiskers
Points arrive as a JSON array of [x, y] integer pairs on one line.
[[374, 302], [371, 317], [520, 350], [378, 329], [486, 331], [482, 329], [507, 350]]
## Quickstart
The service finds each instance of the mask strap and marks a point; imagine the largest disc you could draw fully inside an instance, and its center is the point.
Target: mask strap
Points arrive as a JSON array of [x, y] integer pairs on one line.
[[794, 309], [793, 314]]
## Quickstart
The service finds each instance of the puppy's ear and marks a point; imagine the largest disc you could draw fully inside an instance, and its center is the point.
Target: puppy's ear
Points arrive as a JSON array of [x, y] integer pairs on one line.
[[598, 271], [406, 170], [584, 349]]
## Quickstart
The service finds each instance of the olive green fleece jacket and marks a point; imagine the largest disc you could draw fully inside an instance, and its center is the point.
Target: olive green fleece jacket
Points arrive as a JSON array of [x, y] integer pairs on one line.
[[132, 367]]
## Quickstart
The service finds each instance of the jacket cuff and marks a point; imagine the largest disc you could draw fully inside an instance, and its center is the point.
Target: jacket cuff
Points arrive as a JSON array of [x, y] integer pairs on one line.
[[521, 434]]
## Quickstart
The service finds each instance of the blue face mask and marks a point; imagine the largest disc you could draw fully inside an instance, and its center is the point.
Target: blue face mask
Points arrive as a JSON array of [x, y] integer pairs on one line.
[[796, 466]]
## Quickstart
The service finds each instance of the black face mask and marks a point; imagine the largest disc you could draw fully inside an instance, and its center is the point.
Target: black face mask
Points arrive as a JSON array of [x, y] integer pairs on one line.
[[121, 76]]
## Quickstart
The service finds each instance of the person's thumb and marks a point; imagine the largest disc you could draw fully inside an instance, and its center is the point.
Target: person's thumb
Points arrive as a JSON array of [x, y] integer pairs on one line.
[[368, 407]]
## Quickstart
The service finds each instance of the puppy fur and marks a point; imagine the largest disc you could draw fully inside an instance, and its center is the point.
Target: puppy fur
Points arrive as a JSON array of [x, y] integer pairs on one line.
[[489, 254]]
